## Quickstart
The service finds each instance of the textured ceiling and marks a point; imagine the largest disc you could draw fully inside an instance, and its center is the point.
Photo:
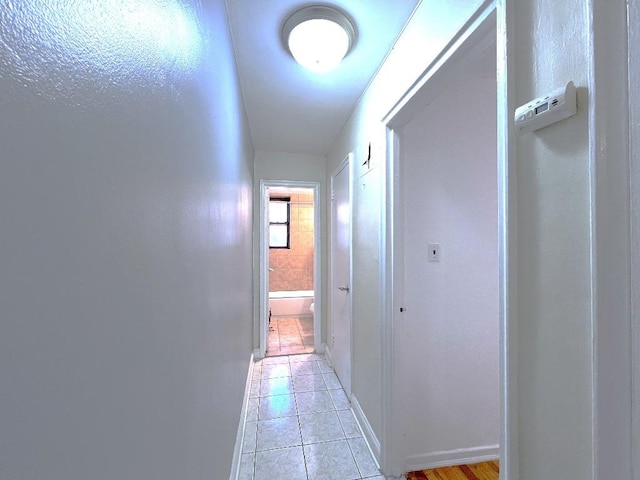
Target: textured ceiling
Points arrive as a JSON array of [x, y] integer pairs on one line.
[[294, 110]]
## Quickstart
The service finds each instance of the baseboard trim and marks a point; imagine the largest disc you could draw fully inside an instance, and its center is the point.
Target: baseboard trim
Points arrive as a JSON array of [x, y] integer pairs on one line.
[[367, 430], [448, 458], [237, 451]]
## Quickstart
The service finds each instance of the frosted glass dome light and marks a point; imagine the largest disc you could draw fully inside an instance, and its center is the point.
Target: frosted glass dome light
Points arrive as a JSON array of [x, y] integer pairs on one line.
[[318, 37]]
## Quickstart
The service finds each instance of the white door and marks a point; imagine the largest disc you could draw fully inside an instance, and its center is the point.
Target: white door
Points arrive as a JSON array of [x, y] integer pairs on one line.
[[340, 341]]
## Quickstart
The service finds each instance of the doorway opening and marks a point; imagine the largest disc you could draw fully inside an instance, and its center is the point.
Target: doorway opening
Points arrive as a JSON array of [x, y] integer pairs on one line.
[[442, 250], [290, 260]]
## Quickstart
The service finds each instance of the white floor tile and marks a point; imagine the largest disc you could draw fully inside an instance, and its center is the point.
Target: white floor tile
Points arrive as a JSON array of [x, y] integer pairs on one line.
[[252, 409], [314, 402], [349, 424], [276, 406], [247, 466], [285, 464], [364, 460], [255, 387], [278, 433], [308, 383], [276, 386], [330, 461], [300, 425], [276, 371], [305, 357], [340, 400], [249, 441], [275, 360], [305, 368], [331, 379], [324, 366], [320, 427]]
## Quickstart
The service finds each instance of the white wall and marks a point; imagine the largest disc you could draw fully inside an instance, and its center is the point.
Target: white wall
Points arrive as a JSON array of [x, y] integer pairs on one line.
[[432, 26], [289, 167], [551, 47], [447, 355], [125, 246]]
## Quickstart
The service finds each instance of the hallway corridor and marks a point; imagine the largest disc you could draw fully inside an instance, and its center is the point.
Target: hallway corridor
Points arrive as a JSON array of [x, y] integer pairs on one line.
[[300, 425]]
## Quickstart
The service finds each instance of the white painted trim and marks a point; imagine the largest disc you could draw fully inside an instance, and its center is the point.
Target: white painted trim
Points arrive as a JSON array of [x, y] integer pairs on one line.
[[351, 285], [237, 450], [634, 157], [349, 164], [470, 39], [508, 241], [263, 314], [317, 269], [390, 248], [365, 427], [633, 39], [449, 458], [487, 25], [610, 240]]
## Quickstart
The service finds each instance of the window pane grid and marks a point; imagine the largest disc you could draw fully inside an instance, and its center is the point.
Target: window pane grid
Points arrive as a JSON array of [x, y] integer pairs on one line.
[[279, 223]]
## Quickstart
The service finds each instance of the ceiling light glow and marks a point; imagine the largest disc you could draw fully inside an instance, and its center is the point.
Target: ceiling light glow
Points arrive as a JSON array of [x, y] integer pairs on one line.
[[318, 37]]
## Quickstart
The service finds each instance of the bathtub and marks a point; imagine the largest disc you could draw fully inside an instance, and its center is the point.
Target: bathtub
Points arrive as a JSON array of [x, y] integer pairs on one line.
[[293, 303]]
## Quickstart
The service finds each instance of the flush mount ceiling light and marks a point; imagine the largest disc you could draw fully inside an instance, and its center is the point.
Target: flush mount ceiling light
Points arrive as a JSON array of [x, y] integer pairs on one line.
[[318, 37]]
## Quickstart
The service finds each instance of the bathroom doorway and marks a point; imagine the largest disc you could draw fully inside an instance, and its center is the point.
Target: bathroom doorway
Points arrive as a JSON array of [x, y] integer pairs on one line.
[[290, 261]]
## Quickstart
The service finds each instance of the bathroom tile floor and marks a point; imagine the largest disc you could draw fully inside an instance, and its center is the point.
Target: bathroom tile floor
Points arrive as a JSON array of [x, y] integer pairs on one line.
[[290, 335], [300, 425]]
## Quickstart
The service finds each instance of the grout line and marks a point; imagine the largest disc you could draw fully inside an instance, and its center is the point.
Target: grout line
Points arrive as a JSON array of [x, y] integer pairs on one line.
[[304, 457], [255, 460]]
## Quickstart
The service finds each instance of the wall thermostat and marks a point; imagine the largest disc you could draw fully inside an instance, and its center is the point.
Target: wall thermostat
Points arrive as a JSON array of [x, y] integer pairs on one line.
[[548, 109]]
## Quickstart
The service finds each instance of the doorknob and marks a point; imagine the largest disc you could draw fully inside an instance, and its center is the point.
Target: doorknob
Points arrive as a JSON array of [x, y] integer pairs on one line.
[[344, 289]]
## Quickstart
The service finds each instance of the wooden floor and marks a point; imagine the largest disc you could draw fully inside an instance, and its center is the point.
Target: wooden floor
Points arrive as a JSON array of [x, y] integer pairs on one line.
[[479, 471]]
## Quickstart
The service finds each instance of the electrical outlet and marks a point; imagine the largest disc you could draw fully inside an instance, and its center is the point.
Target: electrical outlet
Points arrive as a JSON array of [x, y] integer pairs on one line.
[[434, 252]]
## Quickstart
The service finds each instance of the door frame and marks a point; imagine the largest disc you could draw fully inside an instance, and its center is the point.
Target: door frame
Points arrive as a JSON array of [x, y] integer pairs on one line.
[[348, 164], [487, 25], [633, 118], [264, 262], [615, 257]]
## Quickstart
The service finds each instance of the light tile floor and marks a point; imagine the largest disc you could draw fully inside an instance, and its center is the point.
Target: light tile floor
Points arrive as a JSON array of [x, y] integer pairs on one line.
[[300, 425], [290, 335]]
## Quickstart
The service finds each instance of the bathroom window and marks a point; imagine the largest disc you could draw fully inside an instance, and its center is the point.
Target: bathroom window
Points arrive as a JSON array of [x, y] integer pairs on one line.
[[279, 222]]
